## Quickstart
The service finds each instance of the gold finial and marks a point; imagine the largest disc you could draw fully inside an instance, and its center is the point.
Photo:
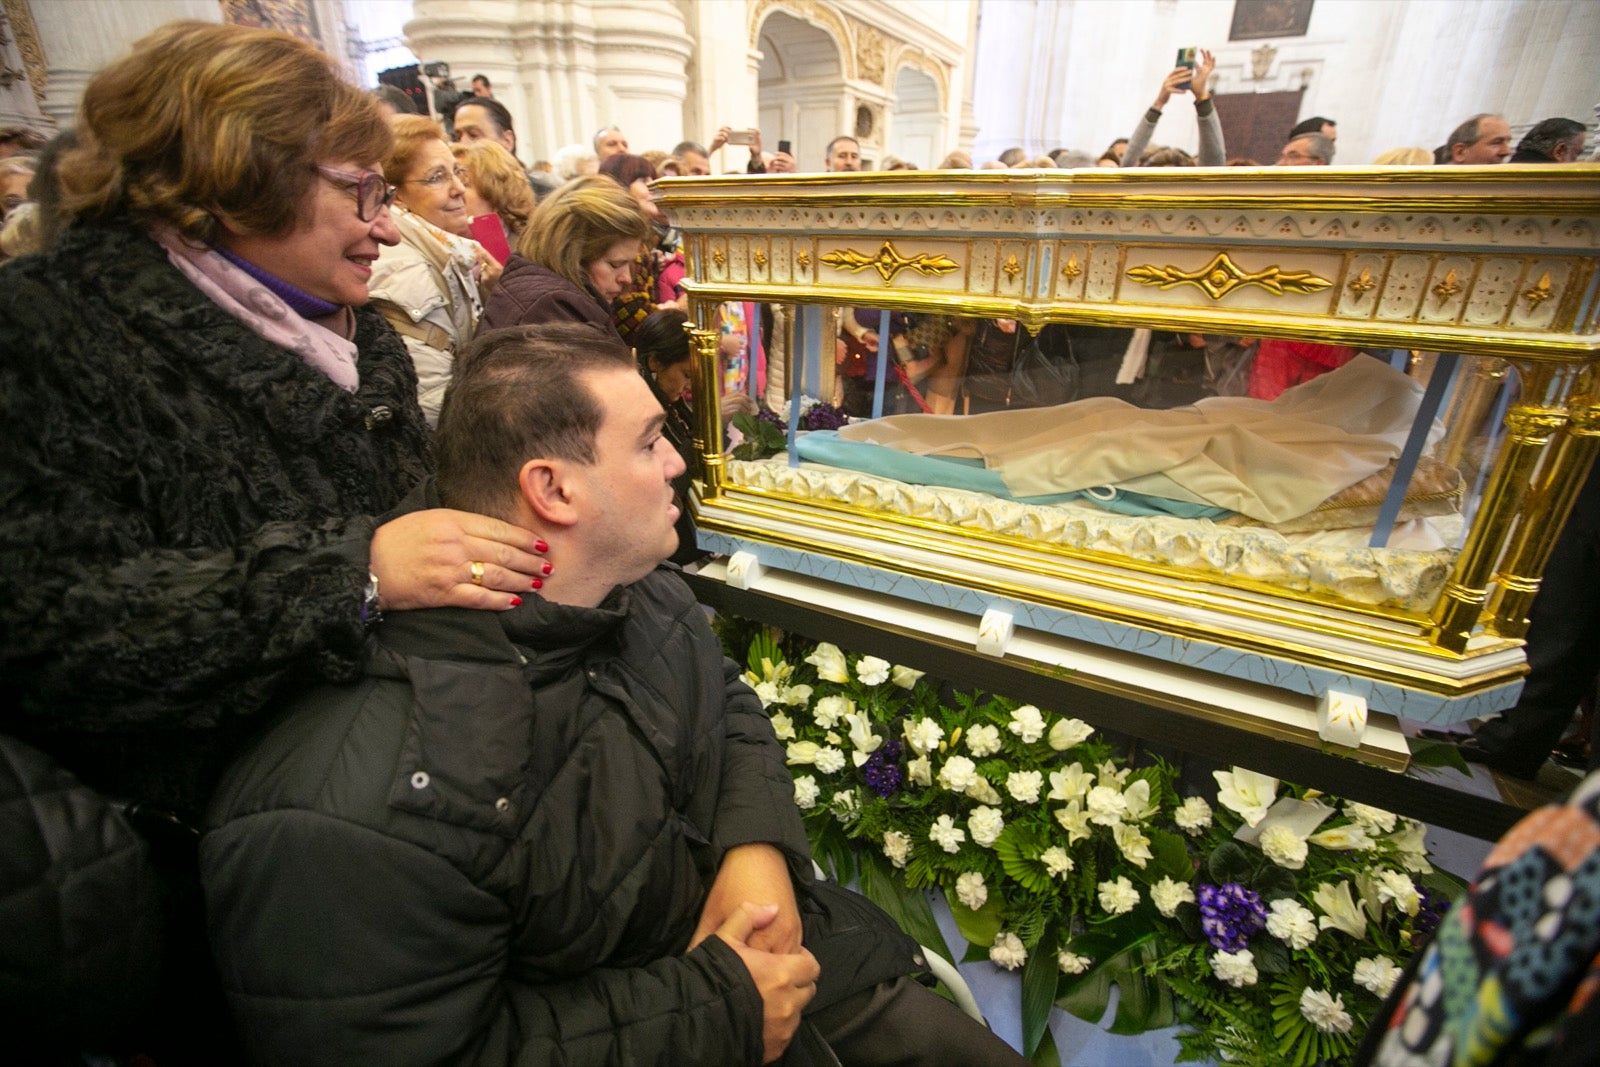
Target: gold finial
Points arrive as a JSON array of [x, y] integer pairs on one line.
[[1539, 293], [1071, 270], [1362, 284], [1447, 288]]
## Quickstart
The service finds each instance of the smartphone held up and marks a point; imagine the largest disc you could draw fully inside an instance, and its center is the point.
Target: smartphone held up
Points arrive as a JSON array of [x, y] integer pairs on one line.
[[1186, 58]]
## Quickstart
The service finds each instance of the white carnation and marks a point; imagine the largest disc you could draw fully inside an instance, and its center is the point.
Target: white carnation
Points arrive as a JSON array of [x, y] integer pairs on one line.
[[1056, 861], [872, 670], [1068, 732], [1027, 723], [983, 740], [946, 834], [1106, 805], [971, 891], [806, 792], [923, 735], [829, 759], [897, 846], [1325, 1012], [1071, 962], [1193, 816], [985, 824], [1007, 951], [829, 710], [957, 774], [1284, 847], [1377, 975], [1238, 969], [1166, 895], [1118, 897], [1024, 786], [1292, 923]]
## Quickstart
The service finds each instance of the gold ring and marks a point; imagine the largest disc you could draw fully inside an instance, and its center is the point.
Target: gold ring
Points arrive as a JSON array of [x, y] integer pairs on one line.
[[477, 571]]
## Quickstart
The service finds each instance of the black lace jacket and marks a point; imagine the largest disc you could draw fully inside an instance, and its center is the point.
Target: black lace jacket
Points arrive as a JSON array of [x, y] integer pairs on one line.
[[185, 510]]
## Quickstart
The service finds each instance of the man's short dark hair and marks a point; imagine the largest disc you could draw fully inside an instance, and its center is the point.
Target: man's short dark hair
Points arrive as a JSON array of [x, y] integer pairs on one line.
[[1467, 133], [484, 78], [828, 152], [517, 394], [497, 111], [1540, 142], [689, 146], [1011, 157], [1313, 124]]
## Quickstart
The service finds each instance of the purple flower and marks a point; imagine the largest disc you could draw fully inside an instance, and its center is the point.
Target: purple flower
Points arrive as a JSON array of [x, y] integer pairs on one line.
[[882, 769], [769, 416], [1230, 915], [1432, 911], [823, 417]]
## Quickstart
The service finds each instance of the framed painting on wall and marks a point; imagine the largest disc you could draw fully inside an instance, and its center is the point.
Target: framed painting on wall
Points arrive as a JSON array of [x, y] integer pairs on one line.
[[1256, 19]]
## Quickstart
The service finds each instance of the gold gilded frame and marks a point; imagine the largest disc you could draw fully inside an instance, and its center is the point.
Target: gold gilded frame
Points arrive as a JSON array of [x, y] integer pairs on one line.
[[1488, 261]]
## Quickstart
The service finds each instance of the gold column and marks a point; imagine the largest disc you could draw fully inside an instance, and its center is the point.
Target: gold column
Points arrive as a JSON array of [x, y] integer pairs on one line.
[[703, 337], [1530, 426], [1478, 382], [1560, 480]]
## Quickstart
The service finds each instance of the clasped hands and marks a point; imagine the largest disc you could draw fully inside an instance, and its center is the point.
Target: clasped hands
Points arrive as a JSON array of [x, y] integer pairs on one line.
[[752, 908]]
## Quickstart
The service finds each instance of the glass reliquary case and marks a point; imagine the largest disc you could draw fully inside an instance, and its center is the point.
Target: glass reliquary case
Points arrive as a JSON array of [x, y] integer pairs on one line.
[[1311, 431]]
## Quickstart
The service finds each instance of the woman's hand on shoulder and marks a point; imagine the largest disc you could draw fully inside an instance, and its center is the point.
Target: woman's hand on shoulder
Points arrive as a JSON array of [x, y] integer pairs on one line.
[[426, 559]]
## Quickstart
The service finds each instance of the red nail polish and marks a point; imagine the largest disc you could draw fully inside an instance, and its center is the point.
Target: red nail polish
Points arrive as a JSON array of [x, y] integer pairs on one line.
[[538, 583], [516, 601], [547, 569], [541, 545]]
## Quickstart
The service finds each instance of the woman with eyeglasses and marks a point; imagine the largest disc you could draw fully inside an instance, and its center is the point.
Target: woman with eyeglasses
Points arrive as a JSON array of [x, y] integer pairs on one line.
[[200, 420], [430, 285]]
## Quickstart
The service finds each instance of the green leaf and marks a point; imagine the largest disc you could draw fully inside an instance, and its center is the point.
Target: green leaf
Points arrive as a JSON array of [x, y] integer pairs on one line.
[[1274, 883], [1040, 976], [1171, 854], [1143, 1003], [1432, 755], [907, 907], [978, 927], [1229, 862], [1271, 956], [1047, 1055]]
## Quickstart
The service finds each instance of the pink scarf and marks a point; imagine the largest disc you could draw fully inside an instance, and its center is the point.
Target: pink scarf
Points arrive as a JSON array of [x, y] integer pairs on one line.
[[261, 310]]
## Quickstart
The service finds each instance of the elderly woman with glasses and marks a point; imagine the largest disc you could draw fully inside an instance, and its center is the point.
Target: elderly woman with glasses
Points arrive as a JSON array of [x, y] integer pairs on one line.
[[201, 421], [430, 286]]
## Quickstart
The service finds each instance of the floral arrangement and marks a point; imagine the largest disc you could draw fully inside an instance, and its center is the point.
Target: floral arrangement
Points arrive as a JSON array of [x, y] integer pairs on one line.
[[1270, 924], [767, 434]]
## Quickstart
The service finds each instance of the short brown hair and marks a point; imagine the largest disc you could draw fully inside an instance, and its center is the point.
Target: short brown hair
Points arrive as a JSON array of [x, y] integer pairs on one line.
[[411, 133], [499, 179], [578, 222], [204, 120], [518, 394]]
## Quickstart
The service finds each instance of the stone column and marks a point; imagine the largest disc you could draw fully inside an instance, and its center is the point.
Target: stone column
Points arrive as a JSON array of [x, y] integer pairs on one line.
[[80, 38], [641, 51]]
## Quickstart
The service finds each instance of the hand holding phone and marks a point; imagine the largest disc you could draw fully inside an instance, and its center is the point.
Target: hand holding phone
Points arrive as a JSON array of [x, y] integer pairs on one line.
[[744, 137], [1185, 59], [783, 146]]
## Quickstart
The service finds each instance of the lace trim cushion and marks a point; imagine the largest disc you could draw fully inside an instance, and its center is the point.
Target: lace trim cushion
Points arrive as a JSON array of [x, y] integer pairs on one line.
[[1403, 578]]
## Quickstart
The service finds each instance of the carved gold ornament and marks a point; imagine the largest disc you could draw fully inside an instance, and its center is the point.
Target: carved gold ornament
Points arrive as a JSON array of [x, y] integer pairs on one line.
[[1447, 288], [1222, 276], [1012, 267], [1071, 270], [717, 257], [760, 257], [1362, 284], [803, 258], [1539, 293], [888, 262]]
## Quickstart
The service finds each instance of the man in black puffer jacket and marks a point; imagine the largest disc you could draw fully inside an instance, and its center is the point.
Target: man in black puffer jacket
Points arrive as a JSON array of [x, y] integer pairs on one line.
[[563, 834]]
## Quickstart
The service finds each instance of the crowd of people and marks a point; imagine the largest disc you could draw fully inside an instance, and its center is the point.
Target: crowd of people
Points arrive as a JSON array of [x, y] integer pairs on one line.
[[342, 449]]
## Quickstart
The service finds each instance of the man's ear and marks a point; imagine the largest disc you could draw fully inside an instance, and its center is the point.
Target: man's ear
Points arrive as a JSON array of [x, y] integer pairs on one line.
[[547, 487]]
